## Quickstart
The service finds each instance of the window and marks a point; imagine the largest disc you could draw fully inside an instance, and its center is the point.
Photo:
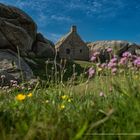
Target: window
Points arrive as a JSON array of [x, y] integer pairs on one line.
[[80, 50], [68, 51]]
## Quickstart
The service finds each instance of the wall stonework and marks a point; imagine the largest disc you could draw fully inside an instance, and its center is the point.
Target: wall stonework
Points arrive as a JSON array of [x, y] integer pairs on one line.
[[72, 46]]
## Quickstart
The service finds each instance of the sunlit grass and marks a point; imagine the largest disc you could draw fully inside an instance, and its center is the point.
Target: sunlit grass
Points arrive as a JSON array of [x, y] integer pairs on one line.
[[78, 108]]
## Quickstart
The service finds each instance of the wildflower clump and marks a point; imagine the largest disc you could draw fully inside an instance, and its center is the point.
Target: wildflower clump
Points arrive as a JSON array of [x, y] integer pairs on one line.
[[62, 107], [64, 97], [91, 72], [20, 97], [30, 95], [65, 100]]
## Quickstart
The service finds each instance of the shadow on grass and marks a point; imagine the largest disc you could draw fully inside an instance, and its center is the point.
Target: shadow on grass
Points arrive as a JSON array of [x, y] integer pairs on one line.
[[46, 68]]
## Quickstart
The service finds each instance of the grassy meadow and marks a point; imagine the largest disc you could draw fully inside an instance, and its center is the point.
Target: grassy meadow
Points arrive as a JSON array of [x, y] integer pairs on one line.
[[74, 101]]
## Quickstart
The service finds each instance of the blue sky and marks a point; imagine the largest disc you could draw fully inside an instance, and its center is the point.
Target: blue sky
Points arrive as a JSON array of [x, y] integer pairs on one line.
[[95, 19]]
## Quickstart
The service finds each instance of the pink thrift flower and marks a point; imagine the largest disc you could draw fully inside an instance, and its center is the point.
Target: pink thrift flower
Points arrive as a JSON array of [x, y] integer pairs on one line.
[[114, 70], [96, 54], [91, 72], [109, 50], [114, 60], [103, 65], [123, 61], [127, 54], [93, 58], [137, 59], [111, 65], [134, 57], [137, 62]]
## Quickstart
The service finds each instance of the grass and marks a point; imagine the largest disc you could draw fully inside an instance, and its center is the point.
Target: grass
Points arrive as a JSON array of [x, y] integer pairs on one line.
[[44, 65], [74, 109]]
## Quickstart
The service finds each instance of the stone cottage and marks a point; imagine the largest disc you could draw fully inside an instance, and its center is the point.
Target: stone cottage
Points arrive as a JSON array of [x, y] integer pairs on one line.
[[71, 46]]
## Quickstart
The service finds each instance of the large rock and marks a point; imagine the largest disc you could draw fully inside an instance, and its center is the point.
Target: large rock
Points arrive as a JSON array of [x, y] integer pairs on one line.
[[119, 47], [17, 29], [43, 47], [13, 67]]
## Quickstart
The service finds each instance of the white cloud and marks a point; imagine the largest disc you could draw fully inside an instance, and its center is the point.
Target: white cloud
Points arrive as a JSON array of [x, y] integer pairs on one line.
[[97, 8], [61, 18], [59, 10]]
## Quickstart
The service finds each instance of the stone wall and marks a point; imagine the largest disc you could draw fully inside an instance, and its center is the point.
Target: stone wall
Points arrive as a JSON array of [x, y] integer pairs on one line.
[[73, 48]]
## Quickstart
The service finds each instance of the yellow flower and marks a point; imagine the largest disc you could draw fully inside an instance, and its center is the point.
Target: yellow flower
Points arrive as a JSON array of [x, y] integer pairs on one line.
[[62, 106], [100, 69], [64, 97], [30, 95], [69, 100], [20, 97], [47, 101]]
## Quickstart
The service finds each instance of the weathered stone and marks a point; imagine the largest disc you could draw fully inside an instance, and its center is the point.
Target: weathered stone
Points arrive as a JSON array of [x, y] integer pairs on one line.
[[71, 46], [41, 38], [17, 29], [44, 50], [3, 41], [31, 54], [43, 47], [17, 37], [19, 18], [6, 78], [30, 61], [118, 47], [14, 67]]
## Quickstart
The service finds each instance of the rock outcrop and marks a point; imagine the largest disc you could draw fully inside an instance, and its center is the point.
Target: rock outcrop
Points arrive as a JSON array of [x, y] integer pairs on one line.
[[118, 47], [13, 67], [17, 29], [43, 47], [19, 38]]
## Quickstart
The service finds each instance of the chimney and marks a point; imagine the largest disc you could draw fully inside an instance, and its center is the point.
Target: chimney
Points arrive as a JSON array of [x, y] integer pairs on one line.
[[73, 29]]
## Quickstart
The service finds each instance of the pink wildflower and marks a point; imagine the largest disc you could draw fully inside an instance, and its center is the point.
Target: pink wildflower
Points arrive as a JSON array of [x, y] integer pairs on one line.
[[114, 70], [109, 50], [137, 62], [111, 65], [93, 58], [123, 61], [91, 72], [96, 54], [103, 65], [127, 54], [114, 60]]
